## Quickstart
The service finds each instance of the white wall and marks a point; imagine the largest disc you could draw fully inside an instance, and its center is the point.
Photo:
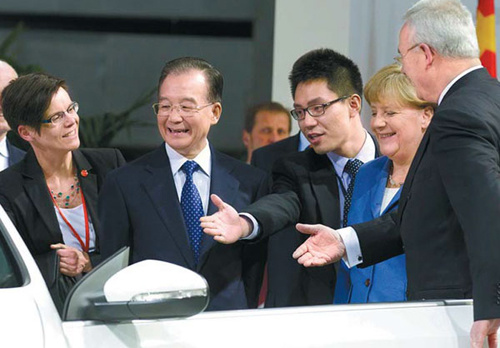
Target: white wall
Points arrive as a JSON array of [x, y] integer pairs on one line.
[[364, 30], [301, 26]]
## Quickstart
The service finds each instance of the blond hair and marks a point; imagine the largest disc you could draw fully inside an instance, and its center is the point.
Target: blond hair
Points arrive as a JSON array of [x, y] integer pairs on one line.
[[389, 83]]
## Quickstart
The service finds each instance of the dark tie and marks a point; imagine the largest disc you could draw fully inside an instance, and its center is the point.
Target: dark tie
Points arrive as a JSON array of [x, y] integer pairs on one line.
[[350, 168], [192, 209]]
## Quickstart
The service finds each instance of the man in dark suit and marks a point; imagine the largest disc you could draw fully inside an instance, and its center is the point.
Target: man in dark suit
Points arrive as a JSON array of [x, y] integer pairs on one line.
[[151, 203], [311, 185], [448, 218], [9, 154]]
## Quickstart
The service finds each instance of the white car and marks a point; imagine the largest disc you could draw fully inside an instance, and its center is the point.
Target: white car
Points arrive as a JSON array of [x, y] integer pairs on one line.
[[156, 304]]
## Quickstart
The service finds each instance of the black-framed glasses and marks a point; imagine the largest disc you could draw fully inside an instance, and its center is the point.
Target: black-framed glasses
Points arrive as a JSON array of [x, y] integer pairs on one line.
[[165, 109], [314, 110], [399, 58], [58, 117]]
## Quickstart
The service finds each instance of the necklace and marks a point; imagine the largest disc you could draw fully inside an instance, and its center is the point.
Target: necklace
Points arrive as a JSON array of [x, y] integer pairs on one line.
[[393, 184], [64, 198]]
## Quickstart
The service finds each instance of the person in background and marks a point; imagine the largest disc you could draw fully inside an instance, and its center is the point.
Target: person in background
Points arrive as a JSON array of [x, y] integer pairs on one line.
[[265, 124], [399, 121], [154, 204], [51, 194], [9, 154]]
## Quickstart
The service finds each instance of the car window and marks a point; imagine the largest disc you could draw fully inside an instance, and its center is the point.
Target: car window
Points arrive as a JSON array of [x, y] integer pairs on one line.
[[10, 276]]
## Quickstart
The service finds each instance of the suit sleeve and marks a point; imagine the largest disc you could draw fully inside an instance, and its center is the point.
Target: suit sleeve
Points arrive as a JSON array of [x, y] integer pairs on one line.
[[379, 239], [466, 149], [282, 207], [114, 218]]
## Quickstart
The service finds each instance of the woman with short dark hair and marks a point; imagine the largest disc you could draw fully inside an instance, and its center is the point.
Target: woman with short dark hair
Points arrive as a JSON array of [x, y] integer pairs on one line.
[[51, 195]]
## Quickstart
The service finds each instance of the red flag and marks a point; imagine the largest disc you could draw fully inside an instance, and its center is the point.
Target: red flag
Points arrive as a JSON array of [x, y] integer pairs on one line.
[[485, 28]]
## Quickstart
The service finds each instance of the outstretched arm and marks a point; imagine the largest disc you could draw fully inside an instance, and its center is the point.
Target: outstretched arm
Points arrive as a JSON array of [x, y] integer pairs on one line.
[[324, 246], [226, 226]]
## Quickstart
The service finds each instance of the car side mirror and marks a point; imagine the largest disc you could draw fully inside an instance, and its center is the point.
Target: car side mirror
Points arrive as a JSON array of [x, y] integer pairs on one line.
[[149, 289]]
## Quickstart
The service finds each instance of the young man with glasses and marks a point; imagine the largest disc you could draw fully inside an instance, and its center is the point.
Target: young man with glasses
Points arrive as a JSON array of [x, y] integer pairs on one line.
[[313, 185], [154, 204]]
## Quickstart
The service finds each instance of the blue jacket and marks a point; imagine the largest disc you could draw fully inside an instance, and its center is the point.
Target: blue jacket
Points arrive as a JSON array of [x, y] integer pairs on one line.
[[384, 281]]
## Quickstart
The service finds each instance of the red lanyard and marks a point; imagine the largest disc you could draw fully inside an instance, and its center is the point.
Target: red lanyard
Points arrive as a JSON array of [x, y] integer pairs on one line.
[[85, 247]]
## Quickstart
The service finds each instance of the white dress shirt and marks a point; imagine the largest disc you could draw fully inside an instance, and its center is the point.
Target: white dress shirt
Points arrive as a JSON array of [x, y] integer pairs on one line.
[[201, 178], [4, 154]]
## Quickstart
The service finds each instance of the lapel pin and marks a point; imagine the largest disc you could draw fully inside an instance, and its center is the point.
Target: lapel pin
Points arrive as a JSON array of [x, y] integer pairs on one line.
[[84, 173]]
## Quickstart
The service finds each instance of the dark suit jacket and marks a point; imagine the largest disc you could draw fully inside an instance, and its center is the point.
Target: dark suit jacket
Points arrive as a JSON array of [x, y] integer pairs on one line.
[[449, 213], [285, 276], [15, 154], [305, 189], [265, 156], [139, 207], [25, 197]]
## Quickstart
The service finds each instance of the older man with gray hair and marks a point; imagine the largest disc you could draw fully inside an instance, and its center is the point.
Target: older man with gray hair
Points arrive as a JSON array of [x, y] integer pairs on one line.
[[449, 216]]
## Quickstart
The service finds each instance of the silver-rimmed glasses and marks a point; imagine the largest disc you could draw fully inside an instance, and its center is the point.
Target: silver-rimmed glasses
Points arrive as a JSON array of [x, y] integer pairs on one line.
[[165, 109], [399, 58]]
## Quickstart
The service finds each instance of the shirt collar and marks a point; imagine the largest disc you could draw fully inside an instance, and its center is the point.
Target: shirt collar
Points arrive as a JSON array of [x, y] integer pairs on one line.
[[303, 142], [3, 148], [366, 154], [447, 88], [177, 160]]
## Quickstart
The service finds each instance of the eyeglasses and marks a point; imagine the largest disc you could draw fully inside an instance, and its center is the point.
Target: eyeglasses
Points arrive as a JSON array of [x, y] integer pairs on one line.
[[165, 109], [400, 57], [314, 110], [59, 117]]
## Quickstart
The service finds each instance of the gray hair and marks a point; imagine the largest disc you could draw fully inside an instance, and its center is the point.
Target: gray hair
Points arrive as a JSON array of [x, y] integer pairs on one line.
[[446, 26]]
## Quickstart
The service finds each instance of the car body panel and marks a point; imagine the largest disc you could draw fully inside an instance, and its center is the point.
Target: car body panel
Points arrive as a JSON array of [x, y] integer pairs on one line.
[[29, 319], [432, 324]]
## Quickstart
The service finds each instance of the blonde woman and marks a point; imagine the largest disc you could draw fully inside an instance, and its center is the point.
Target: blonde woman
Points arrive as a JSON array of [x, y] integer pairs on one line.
[[399, 120]]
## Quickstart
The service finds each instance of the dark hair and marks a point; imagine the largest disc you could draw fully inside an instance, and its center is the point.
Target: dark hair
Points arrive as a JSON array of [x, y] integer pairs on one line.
[[269, 106], [184, 64], [26, 99], [340, 73]]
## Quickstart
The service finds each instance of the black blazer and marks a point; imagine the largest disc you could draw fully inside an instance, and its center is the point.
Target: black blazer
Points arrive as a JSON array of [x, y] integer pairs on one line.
[[305, 189], [139, 207], [286, 278], [449, 212], [264, 157], [25, 197], [15, 154]]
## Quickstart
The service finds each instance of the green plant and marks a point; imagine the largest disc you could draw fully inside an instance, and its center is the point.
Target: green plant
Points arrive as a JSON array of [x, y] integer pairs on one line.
[[99, 130]]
